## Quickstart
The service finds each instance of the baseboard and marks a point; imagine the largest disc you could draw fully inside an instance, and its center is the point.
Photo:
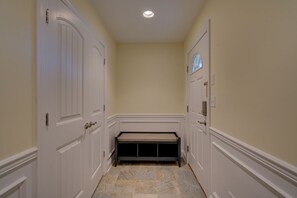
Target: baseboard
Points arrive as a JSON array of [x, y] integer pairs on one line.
[[250, 171], [214, 195], [110, 162], [18, 175], [184, 155]]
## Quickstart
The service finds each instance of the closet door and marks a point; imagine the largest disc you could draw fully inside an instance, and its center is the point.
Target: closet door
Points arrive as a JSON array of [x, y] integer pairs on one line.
[[96, 115], [71, 93]]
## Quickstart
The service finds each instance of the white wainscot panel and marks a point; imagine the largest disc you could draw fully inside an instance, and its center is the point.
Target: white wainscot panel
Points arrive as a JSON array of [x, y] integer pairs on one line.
[[242, 171], [151, 123], [112, 132], [18, 175]]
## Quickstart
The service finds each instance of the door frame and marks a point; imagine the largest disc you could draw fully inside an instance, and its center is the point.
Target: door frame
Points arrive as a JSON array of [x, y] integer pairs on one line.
[[41, 40], [204, 30]]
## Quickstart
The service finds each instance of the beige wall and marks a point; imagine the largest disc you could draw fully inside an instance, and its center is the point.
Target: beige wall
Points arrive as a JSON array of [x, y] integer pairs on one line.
[[150, 78], [90, 15], [254, 60], [17, 76]]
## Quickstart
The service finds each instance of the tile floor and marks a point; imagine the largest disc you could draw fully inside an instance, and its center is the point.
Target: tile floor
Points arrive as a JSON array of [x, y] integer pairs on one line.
[[149, 181]]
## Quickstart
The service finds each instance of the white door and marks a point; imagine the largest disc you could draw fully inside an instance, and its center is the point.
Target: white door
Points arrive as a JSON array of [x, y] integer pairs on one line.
[[95, 136], [70, 95], [198, 114]]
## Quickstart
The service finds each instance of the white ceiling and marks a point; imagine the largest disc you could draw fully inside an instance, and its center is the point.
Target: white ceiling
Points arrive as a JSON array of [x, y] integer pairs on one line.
[[171, 23]]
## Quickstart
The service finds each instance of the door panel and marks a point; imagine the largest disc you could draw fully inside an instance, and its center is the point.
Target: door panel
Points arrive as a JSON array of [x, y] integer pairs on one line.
[[96, 157], [97, 71], [70, 71], [70, 169], [199, 154]]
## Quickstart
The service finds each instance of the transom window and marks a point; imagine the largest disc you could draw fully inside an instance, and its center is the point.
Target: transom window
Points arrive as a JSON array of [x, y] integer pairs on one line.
[[196, 62]]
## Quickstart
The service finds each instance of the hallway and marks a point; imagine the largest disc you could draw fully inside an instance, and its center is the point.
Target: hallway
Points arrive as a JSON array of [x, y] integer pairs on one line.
[[220, 74], [149, 181]]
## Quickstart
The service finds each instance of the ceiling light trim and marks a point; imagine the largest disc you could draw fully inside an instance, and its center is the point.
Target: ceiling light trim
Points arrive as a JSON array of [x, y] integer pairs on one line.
[[148, 14]]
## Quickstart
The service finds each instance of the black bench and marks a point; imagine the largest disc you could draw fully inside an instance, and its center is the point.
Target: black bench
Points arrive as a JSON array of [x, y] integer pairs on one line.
[[147, 146]]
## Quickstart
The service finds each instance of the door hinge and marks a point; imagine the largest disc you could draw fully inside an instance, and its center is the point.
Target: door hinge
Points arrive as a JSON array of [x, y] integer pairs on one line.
[[206, 84], [204, 108], [46, 119], [187, 108], [187, 69], [103, 154], [104, 61], [188, 148], [104, 108], [47, 16]]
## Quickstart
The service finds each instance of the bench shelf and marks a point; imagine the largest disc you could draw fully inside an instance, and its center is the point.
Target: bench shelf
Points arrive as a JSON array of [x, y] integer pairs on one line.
[[147, 146]]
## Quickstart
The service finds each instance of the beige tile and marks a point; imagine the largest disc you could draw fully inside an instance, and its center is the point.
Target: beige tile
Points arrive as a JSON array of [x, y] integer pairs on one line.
[[145, 196], [101, 195], [167, 187], [127, 174], [169, 196], [149, 181], [145, 187], [146, 174], [165, 174], [121, 195]]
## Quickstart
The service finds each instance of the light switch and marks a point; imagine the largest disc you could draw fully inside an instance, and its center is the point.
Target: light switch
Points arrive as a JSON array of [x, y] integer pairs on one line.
[[213, 101]]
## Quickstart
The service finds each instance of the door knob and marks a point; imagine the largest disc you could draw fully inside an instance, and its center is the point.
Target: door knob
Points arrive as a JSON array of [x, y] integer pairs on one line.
[[92, 123], [202, 123], [87, 125]]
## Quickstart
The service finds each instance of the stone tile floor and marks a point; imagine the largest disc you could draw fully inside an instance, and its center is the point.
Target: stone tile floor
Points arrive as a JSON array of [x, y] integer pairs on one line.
[[149, 181]]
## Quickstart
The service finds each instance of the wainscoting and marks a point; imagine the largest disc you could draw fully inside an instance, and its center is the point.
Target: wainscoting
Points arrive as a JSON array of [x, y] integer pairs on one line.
[[237, 169], [18, 175], [240, 170], [143, 123], [112, 132]]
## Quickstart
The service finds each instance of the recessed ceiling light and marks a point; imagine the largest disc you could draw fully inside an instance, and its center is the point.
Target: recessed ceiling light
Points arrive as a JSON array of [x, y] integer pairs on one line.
[[148, 14]]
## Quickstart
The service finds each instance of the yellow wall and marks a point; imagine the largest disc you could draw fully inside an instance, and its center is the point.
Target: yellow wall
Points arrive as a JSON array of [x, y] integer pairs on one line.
[[254, 60], [90, 15], [17, 76], [150, 78]]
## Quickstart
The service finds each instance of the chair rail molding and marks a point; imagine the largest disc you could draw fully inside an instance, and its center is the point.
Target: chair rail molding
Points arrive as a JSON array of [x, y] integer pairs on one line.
[[251, 172], [18, 174], [16, 161]]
